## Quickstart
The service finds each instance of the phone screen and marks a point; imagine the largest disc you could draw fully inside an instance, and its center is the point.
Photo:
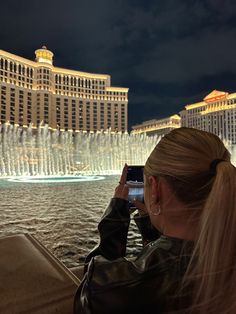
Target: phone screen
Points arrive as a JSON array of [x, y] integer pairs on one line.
[[135, 183]]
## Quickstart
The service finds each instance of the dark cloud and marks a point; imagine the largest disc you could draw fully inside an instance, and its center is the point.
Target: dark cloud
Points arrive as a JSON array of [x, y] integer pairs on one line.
[[169, 53], [189, 58]]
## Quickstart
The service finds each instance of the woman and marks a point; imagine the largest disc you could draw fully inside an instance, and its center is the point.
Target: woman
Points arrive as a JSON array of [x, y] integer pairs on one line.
[[190, 197]]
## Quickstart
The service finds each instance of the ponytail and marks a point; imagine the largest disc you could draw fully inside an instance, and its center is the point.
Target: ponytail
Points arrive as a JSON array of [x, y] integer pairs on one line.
[[212, 269]]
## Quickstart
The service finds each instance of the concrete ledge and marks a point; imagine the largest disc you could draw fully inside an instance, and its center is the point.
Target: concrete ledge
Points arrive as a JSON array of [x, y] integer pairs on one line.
[[32, 280]]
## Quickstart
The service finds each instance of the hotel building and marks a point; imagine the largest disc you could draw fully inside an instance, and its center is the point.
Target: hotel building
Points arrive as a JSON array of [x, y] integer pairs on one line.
[[215, 114], [157, 127], [36, 92]]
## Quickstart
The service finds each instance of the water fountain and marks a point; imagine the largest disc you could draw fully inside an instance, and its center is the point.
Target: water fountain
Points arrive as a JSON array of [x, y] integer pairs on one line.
[[31, 155], [39, 153]]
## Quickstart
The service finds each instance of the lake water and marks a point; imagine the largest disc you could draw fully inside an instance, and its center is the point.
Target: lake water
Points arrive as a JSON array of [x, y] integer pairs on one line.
[[62, 216]]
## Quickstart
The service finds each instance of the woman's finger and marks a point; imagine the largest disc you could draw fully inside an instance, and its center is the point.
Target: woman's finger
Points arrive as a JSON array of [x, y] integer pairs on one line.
[[122, 191], [124, 175], [140, 205], [125, 191]]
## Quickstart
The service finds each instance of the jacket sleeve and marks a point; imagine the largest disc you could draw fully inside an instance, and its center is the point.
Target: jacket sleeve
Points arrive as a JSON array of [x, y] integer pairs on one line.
[[148, 232], [121, 286], [113, 230]]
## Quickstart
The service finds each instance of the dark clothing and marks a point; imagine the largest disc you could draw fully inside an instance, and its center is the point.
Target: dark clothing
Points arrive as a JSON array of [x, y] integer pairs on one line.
[[114, 284]]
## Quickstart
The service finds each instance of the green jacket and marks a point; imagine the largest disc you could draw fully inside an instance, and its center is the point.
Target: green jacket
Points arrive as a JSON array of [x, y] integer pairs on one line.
[[148, 284]]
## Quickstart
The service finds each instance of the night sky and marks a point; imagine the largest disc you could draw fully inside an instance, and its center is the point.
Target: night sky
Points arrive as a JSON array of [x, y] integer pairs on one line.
[[168, 52]]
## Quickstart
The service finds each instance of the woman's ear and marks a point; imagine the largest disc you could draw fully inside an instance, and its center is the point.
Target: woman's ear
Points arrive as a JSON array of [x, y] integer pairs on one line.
[[155, 189]]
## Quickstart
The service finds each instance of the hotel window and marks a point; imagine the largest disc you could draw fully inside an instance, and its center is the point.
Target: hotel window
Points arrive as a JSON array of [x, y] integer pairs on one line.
[[2, 64], [11, 66], [88, 115], [66, 113], [80, 123], [95, 106], [58, 104], [46, 108], [6, 65], [12, 111], [29, 117], [3, 117], [73, 112]]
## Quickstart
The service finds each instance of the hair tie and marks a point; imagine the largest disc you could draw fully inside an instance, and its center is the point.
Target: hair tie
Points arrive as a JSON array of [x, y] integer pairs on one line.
[[214, 164]]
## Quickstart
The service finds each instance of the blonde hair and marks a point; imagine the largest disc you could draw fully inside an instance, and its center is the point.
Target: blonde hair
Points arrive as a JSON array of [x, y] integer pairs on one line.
[[184, 157]]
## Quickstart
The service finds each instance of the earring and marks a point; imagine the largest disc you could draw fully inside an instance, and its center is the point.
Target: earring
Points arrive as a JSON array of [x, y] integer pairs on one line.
[[156, 211], [159, 210]]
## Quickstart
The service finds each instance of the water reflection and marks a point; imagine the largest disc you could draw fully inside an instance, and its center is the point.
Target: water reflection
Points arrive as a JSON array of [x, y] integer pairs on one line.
[[63, 216]]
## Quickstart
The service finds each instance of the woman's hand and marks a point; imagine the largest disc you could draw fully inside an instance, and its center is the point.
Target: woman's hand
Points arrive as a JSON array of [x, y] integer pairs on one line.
[[122, 189], [141, 208]]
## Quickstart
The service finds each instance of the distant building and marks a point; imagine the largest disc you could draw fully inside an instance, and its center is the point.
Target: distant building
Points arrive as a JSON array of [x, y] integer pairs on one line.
[[215, 114], [37, 92], [157, 126]]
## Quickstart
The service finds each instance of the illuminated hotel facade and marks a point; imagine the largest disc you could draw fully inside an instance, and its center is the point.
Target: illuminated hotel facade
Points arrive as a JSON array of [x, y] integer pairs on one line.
[[157, 127], [215, 114], [37, 93]]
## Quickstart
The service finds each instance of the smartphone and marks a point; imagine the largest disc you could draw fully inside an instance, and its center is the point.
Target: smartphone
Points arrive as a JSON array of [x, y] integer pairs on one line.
[[135, 183]]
